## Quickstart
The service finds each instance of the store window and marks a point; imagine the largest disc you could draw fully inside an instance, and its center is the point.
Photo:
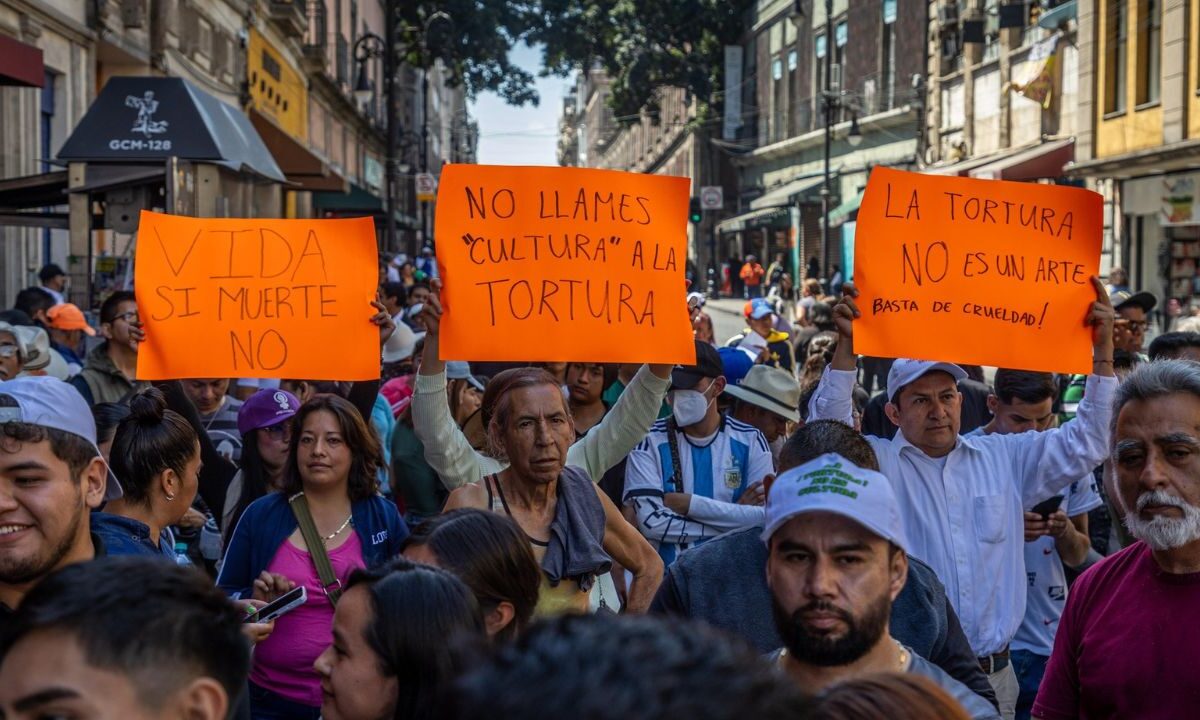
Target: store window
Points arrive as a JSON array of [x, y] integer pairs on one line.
[[1116, 20], [1149, 39]]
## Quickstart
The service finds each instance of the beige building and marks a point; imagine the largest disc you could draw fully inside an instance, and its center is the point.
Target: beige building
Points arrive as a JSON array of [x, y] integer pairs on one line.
[[666, 142], [47, 65]]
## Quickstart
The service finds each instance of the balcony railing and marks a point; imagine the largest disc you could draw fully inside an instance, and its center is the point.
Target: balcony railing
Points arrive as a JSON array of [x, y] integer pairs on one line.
[[290, 15], [316, 37]]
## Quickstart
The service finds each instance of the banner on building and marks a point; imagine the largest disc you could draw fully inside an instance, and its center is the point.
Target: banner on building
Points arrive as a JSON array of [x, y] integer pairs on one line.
[[1179, 203], [1037, 83], [982, 272], [563, 264]]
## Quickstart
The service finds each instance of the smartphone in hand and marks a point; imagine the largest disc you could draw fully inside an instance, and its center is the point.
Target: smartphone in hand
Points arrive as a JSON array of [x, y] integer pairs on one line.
[[282, 605]]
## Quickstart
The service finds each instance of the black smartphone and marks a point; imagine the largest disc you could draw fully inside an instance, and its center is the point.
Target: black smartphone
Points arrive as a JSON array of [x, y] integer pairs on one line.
[[282, 605], [1046, 508]]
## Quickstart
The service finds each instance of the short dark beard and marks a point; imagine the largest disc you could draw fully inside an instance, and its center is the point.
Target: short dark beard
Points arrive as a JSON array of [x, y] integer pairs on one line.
[[24, 570], [823, 651]]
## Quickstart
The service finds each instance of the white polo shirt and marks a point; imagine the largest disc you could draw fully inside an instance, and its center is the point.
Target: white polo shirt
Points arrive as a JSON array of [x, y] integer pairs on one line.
[[963, 513]]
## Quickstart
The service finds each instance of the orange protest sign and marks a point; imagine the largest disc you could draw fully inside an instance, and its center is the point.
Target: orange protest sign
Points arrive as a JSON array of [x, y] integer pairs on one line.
[[256, 298], [981, 272], [562, 264]]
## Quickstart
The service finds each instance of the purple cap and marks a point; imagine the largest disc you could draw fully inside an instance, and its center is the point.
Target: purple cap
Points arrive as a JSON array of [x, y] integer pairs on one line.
[[266, 408]]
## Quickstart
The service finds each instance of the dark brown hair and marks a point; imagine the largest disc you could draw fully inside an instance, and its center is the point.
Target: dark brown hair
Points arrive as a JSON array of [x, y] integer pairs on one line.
[[72, 449], [366, 456], [148, 441], [489, 553], [898, 695]]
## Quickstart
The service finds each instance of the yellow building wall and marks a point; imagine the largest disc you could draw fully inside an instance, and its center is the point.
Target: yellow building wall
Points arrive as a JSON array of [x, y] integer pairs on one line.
[[1133, 129], [277, 89]]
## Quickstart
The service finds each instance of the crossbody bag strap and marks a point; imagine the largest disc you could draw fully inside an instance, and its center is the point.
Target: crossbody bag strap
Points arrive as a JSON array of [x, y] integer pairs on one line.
[[330, 584], [676, 467]]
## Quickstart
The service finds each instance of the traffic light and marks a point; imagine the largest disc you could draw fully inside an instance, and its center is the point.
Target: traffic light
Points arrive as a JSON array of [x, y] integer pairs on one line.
[[695, 214]]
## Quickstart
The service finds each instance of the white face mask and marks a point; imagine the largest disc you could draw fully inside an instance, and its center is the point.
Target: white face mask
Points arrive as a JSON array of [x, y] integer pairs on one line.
[[689, 406]]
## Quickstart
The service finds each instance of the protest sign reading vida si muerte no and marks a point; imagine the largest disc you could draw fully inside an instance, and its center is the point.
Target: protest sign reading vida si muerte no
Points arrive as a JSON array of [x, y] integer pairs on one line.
[[256, 298], [982, 272], [563, 264]]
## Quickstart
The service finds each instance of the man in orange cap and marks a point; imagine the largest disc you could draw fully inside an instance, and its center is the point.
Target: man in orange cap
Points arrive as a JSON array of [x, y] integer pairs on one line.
[[67, 326]]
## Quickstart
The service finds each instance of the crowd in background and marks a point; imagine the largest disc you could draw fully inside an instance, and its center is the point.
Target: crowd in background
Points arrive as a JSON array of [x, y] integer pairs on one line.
[[810, 534]]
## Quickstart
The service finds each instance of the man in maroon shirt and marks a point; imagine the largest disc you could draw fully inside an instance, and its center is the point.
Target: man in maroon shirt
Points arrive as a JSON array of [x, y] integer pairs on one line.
[[1128, 645]]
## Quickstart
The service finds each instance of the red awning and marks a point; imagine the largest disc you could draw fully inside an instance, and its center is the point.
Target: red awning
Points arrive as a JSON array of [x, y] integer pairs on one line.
[[1044, 160], [20, 64]]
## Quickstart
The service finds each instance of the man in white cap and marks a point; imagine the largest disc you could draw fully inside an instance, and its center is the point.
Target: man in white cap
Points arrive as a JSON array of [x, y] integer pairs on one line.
[[768, 398], [52, 476], [963, 499], [836, 561]]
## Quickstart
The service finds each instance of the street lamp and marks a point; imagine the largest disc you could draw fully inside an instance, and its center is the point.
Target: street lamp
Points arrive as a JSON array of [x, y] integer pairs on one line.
[[367, 47], [855, 136], [371, 46], [829, 100]]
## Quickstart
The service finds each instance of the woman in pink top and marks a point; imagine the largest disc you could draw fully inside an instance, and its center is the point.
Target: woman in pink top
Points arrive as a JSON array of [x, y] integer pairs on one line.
[[333, 461]]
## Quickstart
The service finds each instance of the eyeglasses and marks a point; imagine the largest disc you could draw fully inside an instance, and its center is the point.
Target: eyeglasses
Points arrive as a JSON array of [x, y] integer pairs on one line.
[[1136, 326], [7, 351], [129, 317]]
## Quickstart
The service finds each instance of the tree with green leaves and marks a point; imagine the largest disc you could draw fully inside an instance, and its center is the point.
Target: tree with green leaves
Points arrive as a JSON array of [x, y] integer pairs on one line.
[[474, 43], [643, 46]]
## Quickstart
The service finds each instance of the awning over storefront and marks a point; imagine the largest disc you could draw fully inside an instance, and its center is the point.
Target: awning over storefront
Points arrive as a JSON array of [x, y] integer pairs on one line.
[[23, 199], [20, 64], [842, 212], [1044, 160], [1182, 155], [301, 165], [358, 200], [765, 217], [962, 167], [138, 119], [782, 195]]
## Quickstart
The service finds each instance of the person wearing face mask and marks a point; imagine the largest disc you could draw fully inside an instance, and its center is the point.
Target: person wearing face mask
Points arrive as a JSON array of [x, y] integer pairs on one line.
[[698, 473]]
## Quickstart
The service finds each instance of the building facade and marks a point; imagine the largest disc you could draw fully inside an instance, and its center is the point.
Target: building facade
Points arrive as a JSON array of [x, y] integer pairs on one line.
[[277, 74], [1139, 141], [872, 52], [669, 141]]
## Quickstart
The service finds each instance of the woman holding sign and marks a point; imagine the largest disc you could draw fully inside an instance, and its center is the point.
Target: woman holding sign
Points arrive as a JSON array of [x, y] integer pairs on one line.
[[329, 521]]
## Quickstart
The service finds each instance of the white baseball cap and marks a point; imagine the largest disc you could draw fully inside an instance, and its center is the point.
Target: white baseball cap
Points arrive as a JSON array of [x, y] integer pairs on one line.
[[52, 403], [905, 372], [831, 483]]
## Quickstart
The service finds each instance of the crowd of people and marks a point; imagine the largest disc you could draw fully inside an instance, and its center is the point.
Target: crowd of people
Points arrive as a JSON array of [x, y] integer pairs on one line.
[[779, 530]]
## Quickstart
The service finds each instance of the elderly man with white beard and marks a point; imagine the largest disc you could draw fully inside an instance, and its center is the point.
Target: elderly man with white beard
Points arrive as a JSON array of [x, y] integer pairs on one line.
[[1128, 644]]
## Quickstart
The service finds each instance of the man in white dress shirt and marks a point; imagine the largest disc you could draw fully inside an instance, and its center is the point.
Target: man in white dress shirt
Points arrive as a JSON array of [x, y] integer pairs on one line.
[[963, 499]]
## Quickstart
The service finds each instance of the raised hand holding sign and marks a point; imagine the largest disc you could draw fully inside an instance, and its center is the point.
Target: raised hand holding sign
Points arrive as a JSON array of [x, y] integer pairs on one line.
[[562, 264], [256, 298], [973, 271]]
